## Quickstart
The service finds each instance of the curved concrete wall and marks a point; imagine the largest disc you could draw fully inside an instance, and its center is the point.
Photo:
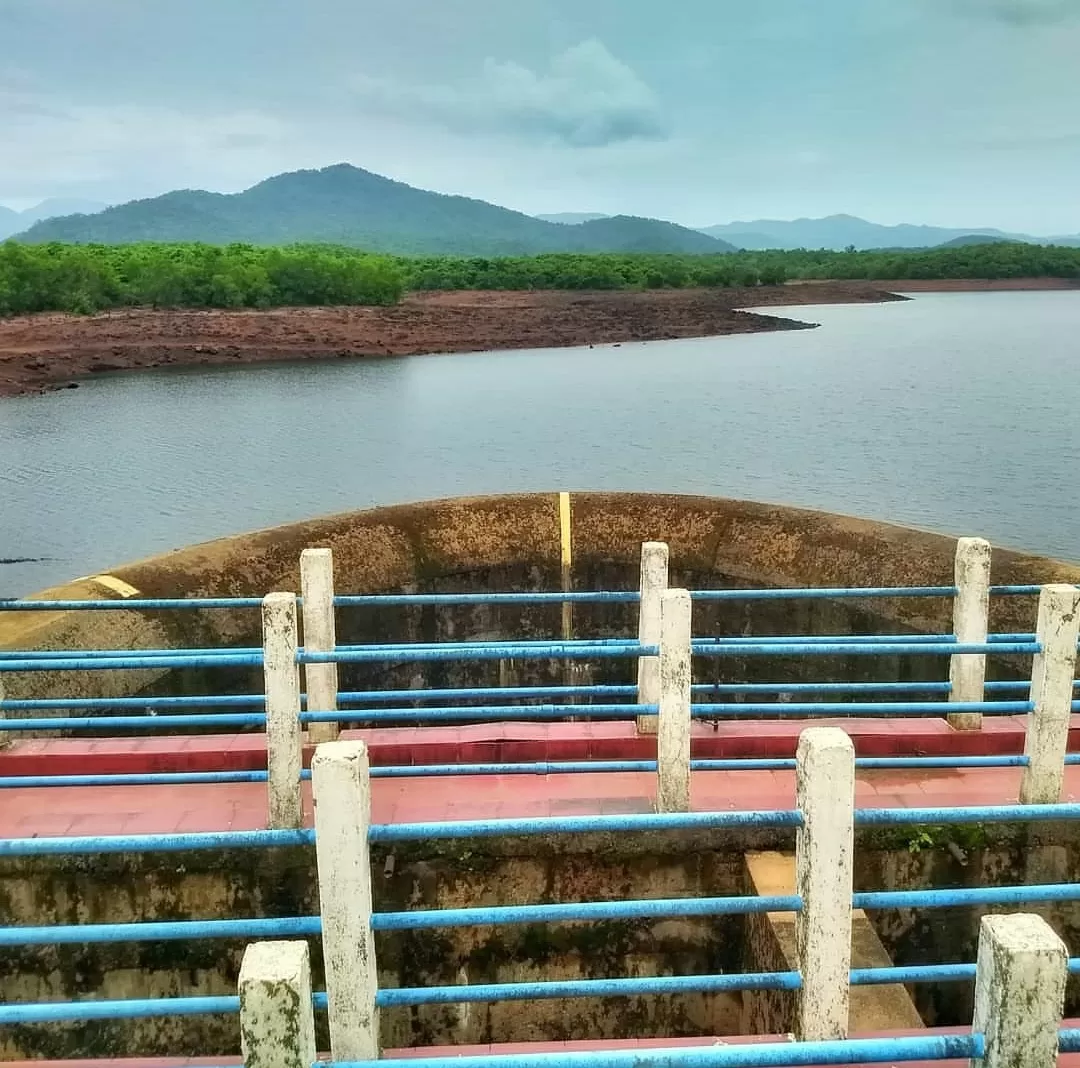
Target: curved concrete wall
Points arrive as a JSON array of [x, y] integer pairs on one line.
[[513, 542]]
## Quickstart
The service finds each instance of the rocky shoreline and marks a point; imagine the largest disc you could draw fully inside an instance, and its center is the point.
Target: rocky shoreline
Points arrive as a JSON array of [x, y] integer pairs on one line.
[[50, 351]]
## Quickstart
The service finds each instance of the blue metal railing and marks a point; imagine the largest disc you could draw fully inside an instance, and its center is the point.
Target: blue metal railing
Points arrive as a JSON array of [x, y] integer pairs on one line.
[[503, 915], [515, 693], [532, 826], [380, 600], [553, 767], [751, 1055]]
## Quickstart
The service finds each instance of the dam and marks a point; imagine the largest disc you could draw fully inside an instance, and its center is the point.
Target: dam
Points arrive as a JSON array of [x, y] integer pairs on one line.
[[587, 778]]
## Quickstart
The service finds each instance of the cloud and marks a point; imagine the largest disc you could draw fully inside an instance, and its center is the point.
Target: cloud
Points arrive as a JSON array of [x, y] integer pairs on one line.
[[54, 148], [586, 98], [1020, 12]]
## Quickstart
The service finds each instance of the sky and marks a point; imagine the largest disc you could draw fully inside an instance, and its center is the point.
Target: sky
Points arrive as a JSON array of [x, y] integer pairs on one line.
[[948, 112]]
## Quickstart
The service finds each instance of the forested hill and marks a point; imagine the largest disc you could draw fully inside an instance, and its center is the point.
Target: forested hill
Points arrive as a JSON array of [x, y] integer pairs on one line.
[[344, 205]]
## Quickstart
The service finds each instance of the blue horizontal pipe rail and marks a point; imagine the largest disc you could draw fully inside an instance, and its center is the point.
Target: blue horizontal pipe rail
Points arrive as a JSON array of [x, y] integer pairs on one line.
[[468, 693], [390, 648], [855, 708], [161, 931], [582, 911], [154, 843], [128, 604], [748, 1055], [349, 697], [405, 653], [458, 713], [800, 648], [837, 639], [913, 973], [587, 988], [537, 825], [134, 661], [377, 600], [410, 652], [965, 897], [879, 817], [145, 723], [1069, 1037], [480, 712], [42, 704], [392, 600], [552, 767], [424, 919], [133, 1009]]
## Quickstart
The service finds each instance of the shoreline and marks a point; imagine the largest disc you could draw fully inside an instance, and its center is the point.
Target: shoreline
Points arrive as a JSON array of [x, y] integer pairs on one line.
[[46, 352]]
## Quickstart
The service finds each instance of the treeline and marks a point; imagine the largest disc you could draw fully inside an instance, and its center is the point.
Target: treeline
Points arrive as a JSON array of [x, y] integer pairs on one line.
[[89, 278], [646, 271]]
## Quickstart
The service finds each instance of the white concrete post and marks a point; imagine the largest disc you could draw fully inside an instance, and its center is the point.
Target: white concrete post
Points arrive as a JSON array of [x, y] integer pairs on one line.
[[654, 580], [342, 789], [284, 739], [1052, 674], [971, 608], [1019, 991], [277, 1025], [824, 873], [673, 739], [321, 680]]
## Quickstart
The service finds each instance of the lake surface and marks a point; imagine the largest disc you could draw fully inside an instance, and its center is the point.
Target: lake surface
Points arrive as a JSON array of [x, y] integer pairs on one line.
[[954, 412]]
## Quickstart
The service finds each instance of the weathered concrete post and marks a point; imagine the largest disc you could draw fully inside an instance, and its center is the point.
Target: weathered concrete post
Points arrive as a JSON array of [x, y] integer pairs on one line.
[[342, 788], [1052, 673], [673, 737], [284, 739], [971, 608], [654, 580], [1019, 991], [321, 680], [277, 1025], [824, 873]]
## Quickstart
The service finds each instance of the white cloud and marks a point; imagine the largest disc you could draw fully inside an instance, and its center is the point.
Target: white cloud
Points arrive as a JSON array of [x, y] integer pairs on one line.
[[585, 98], [54, 148]]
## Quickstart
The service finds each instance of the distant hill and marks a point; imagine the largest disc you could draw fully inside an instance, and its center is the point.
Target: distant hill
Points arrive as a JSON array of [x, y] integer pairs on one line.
[[13, 222], [976, 239], [350, 206], [843, 231], [572, 218], [753, 242]]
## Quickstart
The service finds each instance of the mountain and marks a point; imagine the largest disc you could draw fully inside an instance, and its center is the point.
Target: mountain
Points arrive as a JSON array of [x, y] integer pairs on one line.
[[571, 218], [627, 233], [748, 239], [976, 239], [346, 205], [842, 231], [13, 222]]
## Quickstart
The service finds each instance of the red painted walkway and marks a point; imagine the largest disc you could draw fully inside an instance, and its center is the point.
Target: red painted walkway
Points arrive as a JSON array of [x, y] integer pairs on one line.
[[517, 743], [103, 810]]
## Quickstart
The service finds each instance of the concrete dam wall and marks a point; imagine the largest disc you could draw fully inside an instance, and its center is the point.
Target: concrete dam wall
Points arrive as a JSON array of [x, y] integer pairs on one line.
[[515, 542]]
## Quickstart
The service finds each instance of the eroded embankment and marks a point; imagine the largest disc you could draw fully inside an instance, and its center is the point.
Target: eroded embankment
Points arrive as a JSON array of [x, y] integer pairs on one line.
[[44, 352]]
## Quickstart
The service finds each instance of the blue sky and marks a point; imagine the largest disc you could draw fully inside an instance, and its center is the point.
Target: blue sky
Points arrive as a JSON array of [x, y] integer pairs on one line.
[[952, 112]]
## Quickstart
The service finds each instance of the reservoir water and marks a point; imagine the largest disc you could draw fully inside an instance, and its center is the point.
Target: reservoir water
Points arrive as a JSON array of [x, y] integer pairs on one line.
[[958, 413]]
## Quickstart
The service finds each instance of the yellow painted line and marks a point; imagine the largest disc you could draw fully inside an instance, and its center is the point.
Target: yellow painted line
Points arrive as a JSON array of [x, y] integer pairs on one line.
[[564, 530], [567, 561], [111, 582]]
